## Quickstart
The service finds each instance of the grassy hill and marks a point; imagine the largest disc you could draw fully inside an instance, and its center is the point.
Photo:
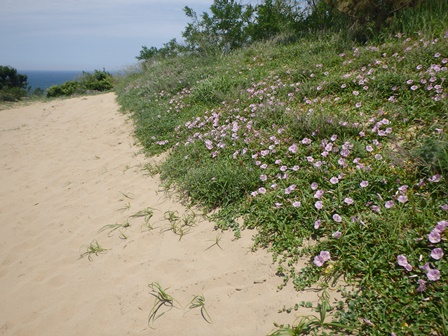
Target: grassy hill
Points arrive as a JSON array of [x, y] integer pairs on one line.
[[319, 140]]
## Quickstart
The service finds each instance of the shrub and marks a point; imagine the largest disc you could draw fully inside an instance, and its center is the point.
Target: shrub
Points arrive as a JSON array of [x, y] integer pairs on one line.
[[96, 81]]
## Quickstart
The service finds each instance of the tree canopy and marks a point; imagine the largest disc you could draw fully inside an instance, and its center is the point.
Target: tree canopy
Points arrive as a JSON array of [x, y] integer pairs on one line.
[[13, 85]]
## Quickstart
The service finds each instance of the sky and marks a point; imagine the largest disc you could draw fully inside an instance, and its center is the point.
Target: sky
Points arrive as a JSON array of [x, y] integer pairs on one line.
[[87, 34]]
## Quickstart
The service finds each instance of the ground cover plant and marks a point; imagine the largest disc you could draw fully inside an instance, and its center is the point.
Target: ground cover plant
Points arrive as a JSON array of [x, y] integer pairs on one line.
[[322, 140]]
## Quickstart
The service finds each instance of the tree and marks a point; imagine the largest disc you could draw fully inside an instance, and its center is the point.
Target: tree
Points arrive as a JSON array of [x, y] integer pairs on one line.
[[227, 27], [13, 85], [274, 17], [371, 12]]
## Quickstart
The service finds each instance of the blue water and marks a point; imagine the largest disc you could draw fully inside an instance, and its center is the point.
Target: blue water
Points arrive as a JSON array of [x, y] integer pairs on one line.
[[44, 79]]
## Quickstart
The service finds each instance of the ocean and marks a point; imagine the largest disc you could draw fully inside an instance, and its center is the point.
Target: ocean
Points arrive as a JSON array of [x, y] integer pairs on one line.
[[44, 79]]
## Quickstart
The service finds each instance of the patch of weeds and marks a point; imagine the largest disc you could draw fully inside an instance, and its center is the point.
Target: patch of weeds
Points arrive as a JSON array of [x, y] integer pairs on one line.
[[93, 249], [126, 207], [180, 225], [113, 227], [313, 324], [216, 243], [146, 214], [198, 301], [162, 301]]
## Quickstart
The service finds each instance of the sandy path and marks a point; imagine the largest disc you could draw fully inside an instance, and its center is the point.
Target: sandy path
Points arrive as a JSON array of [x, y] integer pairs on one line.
[[70, 167]]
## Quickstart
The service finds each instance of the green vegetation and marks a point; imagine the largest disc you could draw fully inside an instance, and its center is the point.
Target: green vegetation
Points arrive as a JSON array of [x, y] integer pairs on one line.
[[98, 81], [13, 85], [334, 150]]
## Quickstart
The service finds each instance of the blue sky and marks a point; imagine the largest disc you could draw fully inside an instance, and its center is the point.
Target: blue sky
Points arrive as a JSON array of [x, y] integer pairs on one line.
[[87, 34]]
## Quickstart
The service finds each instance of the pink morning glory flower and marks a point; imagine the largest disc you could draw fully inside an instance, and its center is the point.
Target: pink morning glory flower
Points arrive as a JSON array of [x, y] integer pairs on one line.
[[321, 258], [434, 237], [334, 180], [296, 204], [318, 205], [262, 190], [402, 198], [337, 235], [325, 255], [433, 275], [437, 253], [403, 262], [293, 148], [389, 204], [364, 184], [441, 226], [349, 200], [263, 177], [318, 194], [337, 218], [421, 285], [314, 186], [318, 261], [317, 224], [306, 141]]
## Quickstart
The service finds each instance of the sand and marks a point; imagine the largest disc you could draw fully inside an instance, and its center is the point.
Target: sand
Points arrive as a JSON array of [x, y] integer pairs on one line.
[[67, 169]]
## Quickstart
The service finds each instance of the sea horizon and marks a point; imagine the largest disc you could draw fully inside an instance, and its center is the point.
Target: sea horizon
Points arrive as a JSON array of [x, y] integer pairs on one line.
[[46, 78]]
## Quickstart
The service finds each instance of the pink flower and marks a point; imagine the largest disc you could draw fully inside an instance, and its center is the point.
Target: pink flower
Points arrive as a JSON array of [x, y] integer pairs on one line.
[[437, 253], [364, 184], [433, 275], [349, 200], [375, 208], [337, 218], [403, 262], [318, 261], [389, 204], [325, 255], [441, 226], [263, 177], [337, 235], [314, 186], [402, 198], [403, 188], [318, 194], [421, 285], [434, 237], [334, 180], [293, 148], [321, 258], [317, 224], [306, 141], [318, 205], [296, 204], [262, 190]]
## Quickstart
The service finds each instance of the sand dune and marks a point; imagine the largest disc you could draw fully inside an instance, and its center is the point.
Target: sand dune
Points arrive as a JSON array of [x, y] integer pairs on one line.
[[67, 169]]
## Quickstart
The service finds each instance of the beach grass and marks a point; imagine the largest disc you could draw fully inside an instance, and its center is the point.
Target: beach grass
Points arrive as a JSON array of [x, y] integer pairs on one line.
[[322, 140]]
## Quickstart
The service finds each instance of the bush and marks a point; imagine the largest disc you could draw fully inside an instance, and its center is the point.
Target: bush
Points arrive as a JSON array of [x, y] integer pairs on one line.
[[96, 81]]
